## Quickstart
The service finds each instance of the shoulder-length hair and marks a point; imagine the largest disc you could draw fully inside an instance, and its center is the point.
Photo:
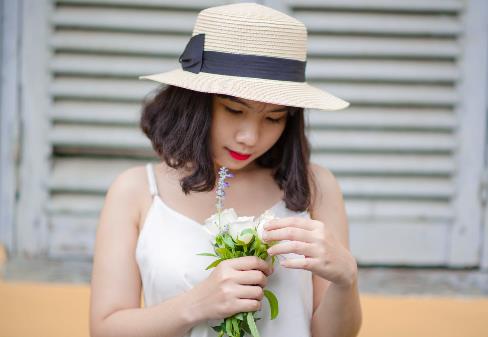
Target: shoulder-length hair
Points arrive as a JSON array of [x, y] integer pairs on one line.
[[177, 121]]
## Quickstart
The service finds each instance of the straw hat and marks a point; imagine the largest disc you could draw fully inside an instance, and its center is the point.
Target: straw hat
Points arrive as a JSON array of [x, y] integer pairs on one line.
[[251, 51]]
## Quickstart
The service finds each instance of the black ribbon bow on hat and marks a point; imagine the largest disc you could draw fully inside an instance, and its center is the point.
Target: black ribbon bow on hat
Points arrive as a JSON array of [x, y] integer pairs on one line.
[[192, 57]]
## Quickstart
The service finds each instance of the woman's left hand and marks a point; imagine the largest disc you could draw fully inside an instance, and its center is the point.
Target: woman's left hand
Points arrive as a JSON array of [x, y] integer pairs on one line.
[[323, 254]]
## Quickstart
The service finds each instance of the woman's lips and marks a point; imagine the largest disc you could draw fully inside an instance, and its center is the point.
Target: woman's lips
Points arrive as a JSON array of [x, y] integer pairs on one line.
[[238, 156]]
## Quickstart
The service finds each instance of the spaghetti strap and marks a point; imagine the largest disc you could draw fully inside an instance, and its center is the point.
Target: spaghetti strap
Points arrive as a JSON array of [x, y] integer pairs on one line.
[[153, 187]]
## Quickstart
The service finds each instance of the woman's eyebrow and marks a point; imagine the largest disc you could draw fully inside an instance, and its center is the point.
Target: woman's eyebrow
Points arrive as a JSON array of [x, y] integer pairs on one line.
[[238, 100]]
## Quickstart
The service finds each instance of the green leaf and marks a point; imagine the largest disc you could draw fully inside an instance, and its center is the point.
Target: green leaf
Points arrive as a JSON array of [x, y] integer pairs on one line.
[[223, 252], [228, 240], [207, 254], [240, 316], [228, 327], [214, 264], [252, 325], [235, 326], [245, 326], [273, 303]]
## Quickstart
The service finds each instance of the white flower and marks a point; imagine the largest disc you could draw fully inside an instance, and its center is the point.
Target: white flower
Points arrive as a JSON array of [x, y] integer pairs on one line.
[[236, 224], [262, 220], [227, 217], [239, 225]]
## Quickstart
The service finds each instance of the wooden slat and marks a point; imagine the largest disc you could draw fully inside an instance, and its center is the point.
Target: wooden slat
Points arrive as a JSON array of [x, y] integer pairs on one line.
[[357, 209], [96, 112], [375, 23], [383, 187], [354, 70], [118, 19], [387, 164], [371, 243], [109, 65], [391, 211], [403, 47], [100, 42], [383, 118], [103, 89], [111, 137], [397, 187], [419, 142], [128, 43], [195, 4], [399, 243], [72, 237], [382, 70], [106, 137], [361, 93], [182, 21], [98, 174], [435, 6], [351, 118], [393, 94]]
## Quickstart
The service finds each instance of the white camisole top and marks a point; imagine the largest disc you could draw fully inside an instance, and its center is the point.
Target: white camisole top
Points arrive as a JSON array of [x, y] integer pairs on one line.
[[166, 256]]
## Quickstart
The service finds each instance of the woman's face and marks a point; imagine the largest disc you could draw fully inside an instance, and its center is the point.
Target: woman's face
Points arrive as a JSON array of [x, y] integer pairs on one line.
[[242, 130]]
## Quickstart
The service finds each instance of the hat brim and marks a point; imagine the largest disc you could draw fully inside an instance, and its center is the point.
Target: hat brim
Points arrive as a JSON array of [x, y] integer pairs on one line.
[[297, 94]]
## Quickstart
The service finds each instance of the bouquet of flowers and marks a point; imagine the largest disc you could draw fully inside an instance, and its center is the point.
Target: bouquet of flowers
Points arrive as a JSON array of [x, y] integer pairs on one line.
[[234, 237]]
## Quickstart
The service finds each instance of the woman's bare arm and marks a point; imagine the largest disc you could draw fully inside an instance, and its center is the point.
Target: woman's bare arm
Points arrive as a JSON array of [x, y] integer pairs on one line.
[[115, 284], [337, 310]]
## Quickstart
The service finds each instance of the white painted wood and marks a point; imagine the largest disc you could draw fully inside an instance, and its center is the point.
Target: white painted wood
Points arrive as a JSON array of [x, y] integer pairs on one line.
[[9, 121], [385, 118], [399, 243], [124, 20], [423, 242], [356, 93], [465, 241], [100, 113], [387, 163], [382, 46], [31, 221], [364, 140], [449, 6], [89, 201], [484, 197], [392, 94], [391, 150], [100, 42], [147, 3], [376, 23], [364, 70], [134, 43]]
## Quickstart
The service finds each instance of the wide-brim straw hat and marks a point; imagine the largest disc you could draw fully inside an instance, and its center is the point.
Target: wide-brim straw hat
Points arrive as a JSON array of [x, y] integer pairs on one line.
[[250, 51]]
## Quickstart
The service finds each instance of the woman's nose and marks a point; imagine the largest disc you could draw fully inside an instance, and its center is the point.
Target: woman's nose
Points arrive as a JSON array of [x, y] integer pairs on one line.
[[248, 134]]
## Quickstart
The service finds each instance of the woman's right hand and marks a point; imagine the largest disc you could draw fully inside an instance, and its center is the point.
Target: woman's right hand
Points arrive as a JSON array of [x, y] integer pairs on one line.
[[235, 285]]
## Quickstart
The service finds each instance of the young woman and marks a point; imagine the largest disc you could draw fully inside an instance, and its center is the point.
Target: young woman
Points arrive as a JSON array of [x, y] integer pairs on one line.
[[238, 101]]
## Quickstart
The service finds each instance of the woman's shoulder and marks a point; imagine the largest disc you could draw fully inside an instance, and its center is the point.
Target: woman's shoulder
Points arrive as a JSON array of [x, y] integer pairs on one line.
[[324, 182], [130, 187]]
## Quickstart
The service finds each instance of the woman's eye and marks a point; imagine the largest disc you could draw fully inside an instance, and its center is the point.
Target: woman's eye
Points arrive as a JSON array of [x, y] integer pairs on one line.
[[274, 120], [232, 110]]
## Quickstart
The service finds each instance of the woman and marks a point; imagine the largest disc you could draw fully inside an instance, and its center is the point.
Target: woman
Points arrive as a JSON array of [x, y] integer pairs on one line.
[[238, 101]]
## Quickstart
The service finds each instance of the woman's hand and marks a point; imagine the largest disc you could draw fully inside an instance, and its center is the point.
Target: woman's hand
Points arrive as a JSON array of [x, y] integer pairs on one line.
[[235, 285], [324, 255]]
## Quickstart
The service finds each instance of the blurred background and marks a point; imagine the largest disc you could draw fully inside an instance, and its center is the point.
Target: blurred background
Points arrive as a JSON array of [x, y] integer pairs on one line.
[[410, 152]]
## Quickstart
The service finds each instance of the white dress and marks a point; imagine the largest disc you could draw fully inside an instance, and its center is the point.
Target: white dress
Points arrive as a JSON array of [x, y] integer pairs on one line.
[[166, 255]]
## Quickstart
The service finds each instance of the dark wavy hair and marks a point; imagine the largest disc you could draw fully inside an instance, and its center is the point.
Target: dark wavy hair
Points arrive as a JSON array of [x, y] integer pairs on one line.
[[177, 121]]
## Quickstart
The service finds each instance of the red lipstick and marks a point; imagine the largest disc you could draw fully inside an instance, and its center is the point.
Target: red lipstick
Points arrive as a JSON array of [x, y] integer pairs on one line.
[[238, 156]]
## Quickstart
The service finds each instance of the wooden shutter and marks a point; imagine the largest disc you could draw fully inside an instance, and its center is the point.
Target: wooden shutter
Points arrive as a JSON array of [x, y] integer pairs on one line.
[[394, 149], [99, 48]]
